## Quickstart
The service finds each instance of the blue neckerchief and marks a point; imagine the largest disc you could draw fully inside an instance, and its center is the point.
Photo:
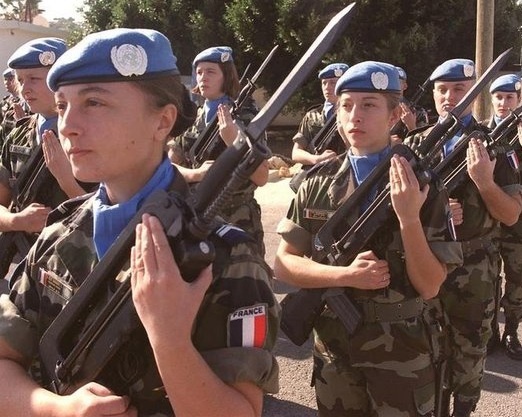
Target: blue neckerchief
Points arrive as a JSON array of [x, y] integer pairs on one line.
[[497, 120], [450, 144], [362, 166], [44, 124], [210, 107], [110, 220], [328, 109]]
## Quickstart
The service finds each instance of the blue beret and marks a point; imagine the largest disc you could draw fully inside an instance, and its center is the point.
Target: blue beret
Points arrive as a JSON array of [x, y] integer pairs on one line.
[[454, 70], [214, 54], [369, 76], [37, 53], [332, 71], [509, 83], [402, 74], [114, 55], [8, 73]]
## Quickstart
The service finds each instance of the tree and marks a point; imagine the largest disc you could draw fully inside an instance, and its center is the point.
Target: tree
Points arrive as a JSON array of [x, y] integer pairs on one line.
[[414, 34], [22, 10]]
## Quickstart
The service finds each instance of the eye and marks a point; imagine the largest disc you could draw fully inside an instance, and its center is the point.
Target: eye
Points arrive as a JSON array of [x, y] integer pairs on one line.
[[61, 106]]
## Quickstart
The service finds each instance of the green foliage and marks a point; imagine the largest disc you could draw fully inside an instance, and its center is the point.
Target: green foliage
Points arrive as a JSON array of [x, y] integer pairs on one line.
[[414, 34]]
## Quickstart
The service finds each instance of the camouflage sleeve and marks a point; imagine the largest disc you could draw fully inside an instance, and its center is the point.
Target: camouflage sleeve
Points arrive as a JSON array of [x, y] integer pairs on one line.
[[19, 311], [440, 232], [310, 124], [507, 176], [237, 325]]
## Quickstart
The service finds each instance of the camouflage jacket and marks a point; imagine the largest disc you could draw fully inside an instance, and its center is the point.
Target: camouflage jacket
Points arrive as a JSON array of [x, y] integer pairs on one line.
[[477, 220], [317, 199], [310, 126], [238, 302]]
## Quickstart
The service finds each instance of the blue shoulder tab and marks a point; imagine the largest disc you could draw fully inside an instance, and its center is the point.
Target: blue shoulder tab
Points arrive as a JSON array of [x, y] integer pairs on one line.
[[232, 235]]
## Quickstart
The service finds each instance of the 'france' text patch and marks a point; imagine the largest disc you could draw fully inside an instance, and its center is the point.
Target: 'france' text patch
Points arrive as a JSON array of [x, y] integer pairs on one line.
[[247, 326]]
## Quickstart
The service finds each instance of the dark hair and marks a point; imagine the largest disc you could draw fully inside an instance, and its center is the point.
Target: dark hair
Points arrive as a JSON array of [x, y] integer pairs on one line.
[[231, 85], [169, 90]]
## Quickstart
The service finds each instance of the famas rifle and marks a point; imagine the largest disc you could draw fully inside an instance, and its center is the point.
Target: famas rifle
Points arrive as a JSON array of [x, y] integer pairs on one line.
[[99, 324]]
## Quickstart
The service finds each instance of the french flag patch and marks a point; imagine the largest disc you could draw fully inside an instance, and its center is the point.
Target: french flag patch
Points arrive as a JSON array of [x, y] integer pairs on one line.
[[247, 326]]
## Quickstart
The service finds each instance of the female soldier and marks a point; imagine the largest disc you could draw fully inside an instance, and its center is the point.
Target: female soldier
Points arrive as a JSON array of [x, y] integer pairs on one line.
[[384, 368], [505, 97], [118, 93], [218, 83]]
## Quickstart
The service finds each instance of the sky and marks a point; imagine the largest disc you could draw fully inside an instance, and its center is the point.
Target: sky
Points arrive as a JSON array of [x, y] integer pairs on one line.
[[55, 9]]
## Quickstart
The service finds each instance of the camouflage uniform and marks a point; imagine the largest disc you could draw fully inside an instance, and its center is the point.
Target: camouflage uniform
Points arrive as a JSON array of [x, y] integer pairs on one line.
[[386, 367], [468, 293], [8, 116], [53, 271], [243, 209]]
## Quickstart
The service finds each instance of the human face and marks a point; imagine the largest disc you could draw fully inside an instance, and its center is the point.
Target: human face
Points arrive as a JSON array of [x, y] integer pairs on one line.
[[365, 121], [328, 88], [210, 79], [112, 134], [447, 94], [34, 90], [10, 85], [503, 102]]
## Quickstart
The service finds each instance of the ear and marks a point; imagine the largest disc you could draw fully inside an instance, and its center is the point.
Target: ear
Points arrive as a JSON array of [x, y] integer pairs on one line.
[[395, 116], [166, 118]]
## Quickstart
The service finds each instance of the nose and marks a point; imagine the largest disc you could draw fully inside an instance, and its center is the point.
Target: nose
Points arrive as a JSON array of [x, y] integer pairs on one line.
[[68, 123]]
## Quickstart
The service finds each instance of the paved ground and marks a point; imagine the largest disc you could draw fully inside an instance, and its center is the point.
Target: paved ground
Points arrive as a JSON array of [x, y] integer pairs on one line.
[[502, 390]]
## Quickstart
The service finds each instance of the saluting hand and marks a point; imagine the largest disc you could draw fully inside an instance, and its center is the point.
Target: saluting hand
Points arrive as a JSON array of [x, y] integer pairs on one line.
[[228, 130], [55, 157], [480, 166], [406, 196], [166, 305]]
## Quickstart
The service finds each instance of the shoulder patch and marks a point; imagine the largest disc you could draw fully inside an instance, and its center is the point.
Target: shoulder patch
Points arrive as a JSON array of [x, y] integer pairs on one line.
[[66, 208], [232, 234], [247, 326]]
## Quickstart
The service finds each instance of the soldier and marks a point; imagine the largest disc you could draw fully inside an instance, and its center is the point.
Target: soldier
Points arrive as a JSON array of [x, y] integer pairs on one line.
[[118, 92], [492, 196], [505, 97], [33, 135], [385, 368], [217, 82], [11, 109], [316, 117], [412, 116]]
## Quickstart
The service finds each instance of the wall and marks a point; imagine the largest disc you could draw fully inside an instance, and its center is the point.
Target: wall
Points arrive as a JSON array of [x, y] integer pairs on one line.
[[14, 34]]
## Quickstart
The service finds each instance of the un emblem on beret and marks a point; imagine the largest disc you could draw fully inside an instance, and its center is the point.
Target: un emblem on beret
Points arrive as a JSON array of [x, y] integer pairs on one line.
[[47, 58], [468, 70], [129, 59], [225, 56], [338, 72], [518, 86], [379, 80]]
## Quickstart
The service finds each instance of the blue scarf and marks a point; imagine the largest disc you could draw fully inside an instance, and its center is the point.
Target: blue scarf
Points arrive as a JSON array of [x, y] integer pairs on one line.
[[497, 120], [110, 220], [210, 107], [362, 166], [44, 124], [328, 109], [450, 144]]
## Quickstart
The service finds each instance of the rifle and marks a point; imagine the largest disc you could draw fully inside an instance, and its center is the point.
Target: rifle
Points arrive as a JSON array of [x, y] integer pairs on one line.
[[206, 145], [326, 136], [301, 308], [399, 126], [78, 346], [28, 183]]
